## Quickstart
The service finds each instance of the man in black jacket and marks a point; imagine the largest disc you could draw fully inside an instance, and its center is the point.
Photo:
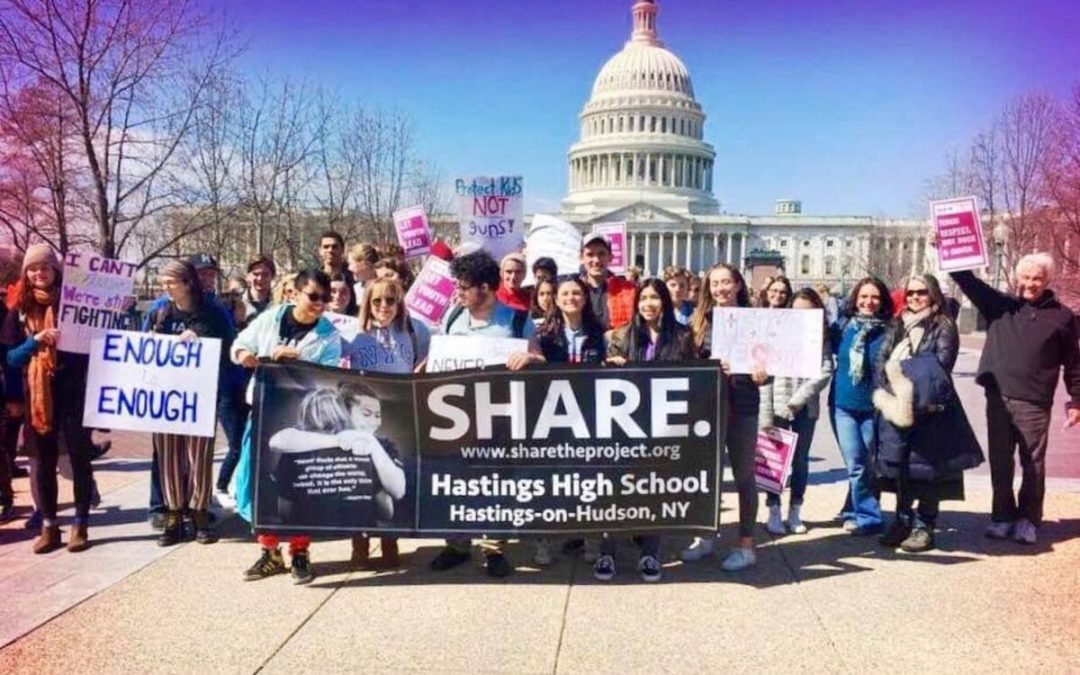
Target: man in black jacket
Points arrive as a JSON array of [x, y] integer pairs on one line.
[[1029, 340]]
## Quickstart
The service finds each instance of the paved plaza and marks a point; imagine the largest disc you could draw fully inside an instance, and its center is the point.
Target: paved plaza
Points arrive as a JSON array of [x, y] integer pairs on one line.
[[825, 601]]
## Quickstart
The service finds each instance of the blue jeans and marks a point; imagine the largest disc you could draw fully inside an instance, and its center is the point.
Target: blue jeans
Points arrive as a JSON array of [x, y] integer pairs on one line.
[[803, 425], [855, 433]]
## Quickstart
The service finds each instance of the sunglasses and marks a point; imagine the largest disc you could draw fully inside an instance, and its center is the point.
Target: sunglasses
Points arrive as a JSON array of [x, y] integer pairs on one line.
[[384, 300], [318, 297], [923, 293]]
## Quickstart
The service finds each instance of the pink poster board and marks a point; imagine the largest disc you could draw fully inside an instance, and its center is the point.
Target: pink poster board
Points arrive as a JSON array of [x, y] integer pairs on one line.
[[961, 244], [413, 231], [616, 234], [772, 458], [431, 293]]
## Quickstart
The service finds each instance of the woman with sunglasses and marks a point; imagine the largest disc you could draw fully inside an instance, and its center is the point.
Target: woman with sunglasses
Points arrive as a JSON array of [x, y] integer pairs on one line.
[[726, 287], [186, 462], [653, 334], [909, 457], [294, 331], [389, 341]]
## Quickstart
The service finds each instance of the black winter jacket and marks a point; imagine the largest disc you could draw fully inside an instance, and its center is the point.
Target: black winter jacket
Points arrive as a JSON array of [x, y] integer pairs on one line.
[[1027, 343]]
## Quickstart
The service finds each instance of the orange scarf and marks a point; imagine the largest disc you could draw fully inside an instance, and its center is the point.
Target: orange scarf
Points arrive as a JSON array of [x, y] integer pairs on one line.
[[39, 373]]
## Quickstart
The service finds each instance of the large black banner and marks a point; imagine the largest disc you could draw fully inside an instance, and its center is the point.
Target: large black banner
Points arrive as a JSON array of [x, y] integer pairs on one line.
[[545, 450]]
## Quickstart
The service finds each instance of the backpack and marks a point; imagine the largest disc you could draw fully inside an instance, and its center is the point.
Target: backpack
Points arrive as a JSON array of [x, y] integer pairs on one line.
[[517, 325]]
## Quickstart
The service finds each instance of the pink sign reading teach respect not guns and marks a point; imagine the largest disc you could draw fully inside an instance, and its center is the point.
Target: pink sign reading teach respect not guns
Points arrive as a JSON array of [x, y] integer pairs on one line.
[[413, 231], [961, 244], [772, 458], [431, 293]]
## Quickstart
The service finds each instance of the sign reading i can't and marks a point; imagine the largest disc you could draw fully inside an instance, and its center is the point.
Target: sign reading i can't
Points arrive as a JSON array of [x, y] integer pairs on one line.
[[491, 213], [95, 297]]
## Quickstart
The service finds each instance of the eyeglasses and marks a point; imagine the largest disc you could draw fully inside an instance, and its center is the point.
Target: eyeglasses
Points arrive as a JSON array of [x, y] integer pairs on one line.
[[318, 297], [922, 293], [384, 300]]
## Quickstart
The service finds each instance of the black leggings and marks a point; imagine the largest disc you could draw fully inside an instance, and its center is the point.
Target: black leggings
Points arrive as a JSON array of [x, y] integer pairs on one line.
[[45, 449]]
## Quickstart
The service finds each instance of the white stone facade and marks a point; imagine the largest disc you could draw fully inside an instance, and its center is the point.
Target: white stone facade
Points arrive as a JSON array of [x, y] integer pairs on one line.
[[642, 159]]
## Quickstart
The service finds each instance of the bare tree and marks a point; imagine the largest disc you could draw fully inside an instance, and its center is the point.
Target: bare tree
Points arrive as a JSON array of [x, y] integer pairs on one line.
[[1061, 182], [133, 73], [1025, 128], [387, 158]]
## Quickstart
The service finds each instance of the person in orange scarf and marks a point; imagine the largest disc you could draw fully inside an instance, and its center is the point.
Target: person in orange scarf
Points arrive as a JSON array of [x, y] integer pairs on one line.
[[55, 384]]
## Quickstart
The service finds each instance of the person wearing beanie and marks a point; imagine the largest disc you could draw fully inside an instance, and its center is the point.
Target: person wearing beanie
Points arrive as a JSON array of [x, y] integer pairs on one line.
[[511, 274], [55, 386]]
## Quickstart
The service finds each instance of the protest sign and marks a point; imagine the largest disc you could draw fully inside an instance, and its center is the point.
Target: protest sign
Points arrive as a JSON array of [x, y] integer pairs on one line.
[[347, 325], [961, 244], [150, 382], [785, 342], [94, 298], [431, 293], [458, 352], [772, 458], [413, 231], [491, 213], [616, 235], [551, 450], [550, 237]]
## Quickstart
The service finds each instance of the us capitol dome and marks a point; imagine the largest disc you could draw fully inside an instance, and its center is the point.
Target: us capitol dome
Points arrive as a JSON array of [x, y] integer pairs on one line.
[[642, 132], [642, 159]]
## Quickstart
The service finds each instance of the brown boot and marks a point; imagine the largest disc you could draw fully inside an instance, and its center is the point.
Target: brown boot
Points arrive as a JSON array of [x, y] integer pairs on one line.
[[48, 541], [390, 557], [78, 539], [361, 555]]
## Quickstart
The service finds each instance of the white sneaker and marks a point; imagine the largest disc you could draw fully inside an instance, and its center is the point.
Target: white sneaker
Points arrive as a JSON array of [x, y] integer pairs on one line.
[[794, 520], [850, 526], [1024, 532], [542, 556], [702, 547], [739, 559], [999, 531], [224, 500], [775, 524]]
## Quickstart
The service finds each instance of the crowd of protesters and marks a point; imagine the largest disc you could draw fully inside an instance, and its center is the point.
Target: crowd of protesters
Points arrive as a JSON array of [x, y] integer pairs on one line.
[[886, 363]]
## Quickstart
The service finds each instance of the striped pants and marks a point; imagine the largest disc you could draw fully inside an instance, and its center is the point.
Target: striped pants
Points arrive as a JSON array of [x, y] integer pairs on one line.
[[187, 464]]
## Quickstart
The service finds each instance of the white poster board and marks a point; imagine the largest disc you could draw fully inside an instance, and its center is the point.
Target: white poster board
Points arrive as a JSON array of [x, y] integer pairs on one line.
[[458, 352], [491, 213], [155, 383], [347, 325], [785, 342], [550, 237], [94, 298]]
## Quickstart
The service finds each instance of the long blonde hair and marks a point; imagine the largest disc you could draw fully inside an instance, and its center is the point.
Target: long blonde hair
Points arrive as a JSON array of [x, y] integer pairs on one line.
[[401, 321]]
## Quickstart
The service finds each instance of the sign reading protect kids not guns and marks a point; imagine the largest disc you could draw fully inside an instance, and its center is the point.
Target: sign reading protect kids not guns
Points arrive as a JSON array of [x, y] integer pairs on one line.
[[491, 213]]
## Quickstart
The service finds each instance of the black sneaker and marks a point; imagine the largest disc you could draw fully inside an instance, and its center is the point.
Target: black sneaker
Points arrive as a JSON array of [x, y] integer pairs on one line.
[[449, 558], [7, 512], [921, 539], [33, 523], [20, 472], [898, 531], [604, 568], [498, 566], [650, 568], [268, 564], [301, 568]]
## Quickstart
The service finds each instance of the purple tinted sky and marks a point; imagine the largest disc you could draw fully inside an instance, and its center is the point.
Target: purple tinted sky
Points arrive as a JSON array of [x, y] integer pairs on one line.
[[849, 105]]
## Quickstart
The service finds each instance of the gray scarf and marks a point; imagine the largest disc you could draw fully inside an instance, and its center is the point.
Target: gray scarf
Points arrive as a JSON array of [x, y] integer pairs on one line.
[[857, 355]]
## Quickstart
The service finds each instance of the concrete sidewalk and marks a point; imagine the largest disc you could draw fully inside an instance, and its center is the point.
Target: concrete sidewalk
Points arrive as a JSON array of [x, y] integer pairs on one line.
[[825, 601]]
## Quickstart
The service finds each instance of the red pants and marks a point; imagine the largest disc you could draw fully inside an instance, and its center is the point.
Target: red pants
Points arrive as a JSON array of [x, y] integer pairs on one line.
[[296, 542]]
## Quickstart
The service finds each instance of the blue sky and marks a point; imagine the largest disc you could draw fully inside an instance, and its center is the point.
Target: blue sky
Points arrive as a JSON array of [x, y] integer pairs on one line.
[[848, 105]]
